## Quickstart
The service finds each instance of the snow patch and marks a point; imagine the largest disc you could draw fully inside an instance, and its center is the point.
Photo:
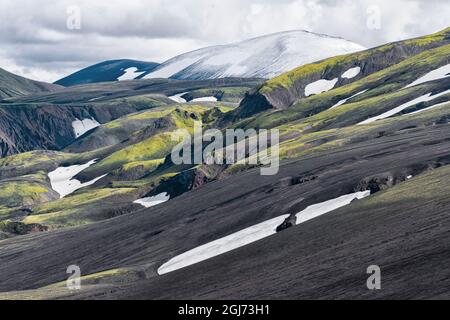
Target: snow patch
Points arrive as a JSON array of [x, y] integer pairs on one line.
[[61, 179], [80, 127], [223, 245], [319, 209], [345, 100], [253, 234], [153, 201], [178, 98], [351, 73], [130, 74], [205, 99], [425, 98], [440, 73], [320, 86]]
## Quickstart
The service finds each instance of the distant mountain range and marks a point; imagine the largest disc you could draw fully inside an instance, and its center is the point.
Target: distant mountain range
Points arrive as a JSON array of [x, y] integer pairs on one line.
[[112, 70], [262, 57]]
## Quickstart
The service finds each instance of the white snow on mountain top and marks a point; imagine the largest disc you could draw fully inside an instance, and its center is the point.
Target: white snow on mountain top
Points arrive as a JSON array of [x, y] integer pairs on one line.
[[262, 57], [130, 74]]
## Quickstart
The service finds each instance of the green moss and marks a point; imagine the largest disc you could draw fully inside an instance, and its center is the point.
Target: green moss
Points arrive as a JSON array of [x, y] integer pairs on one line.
[[20, 193], [287, 80], [75, 210]]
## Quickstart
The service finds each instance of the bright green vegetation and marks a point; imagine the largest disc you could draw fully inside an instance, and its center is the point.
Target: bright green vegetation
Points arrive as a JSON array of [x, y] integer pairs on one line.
[[28, 159], [133, 149], [19, 193], [156, 146], [431, 186], [80, 208], [385, 92]]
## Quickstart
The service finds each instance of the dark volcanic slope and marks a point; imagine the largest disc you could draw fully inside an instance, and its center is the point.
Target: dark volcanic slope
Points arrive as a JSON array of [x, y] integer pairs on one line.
[[326, 257], [106, 71], [12, 85]]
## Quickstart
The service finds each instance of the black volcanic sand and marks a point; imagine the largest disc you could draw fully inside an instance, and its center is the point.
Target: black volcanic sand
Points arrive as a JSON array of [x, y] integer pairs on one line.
[[327, 257]]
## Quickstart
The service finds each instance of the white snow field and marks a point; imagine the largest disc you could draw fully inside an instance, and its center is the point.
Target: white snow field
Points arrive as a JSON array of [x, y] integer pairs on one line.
[[205, 99], [439, 73], [343, 101], [130, 74], [425, 98], [253, 233], [263, 57], [61, 179], [320, 86], [351, 73], [177, 98], [153, 201], [80, 127], [223, 245], [319, 209]]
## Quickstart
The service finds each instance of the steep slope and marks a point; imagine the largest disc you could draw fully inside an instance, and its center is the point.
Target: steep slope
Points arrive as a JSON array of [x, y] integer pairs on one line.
[[12, 85], [262, 57], [112, 70], [149, 238], [285, 90]]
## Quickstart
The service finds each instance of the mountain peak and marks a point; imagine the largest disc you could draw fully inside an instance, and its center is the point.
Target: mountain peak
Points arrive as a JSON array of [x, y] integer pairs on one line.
[[265, 56]]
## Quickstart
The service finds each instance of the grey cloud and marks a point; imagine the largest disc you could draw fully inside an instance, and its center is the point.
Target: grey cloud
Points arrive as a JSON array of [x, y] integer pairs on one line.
[[34, 38]]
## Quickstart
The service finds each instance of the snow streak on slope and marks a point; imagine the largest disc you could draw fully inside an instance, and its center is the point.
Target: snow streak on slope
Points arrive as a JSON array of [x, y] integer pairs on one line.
[[343, 101], [319, 209], [178, 97], [61, 179], [153, 201], [130, 74], [425, 98], [80, 127], [262, 57], [440, 73], [205, 99], [254, 233], [220, 246]]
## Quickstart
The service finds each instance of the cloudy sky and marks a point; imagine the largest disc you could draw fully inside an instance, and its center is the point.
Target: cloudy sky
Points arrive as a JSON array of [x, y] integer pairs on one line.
[[45, 40]]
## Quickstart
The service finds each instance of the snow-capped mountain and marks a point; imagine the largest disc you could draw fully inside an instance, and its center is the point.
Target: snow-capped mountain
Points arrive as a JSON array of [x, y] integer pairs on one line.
[[113, 70], [262, 57]]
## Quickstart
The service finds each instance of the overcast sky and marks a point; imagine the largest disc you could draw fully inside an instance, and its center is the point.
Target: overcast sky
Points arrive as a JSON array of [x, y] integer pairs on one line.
[[36, 42]]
